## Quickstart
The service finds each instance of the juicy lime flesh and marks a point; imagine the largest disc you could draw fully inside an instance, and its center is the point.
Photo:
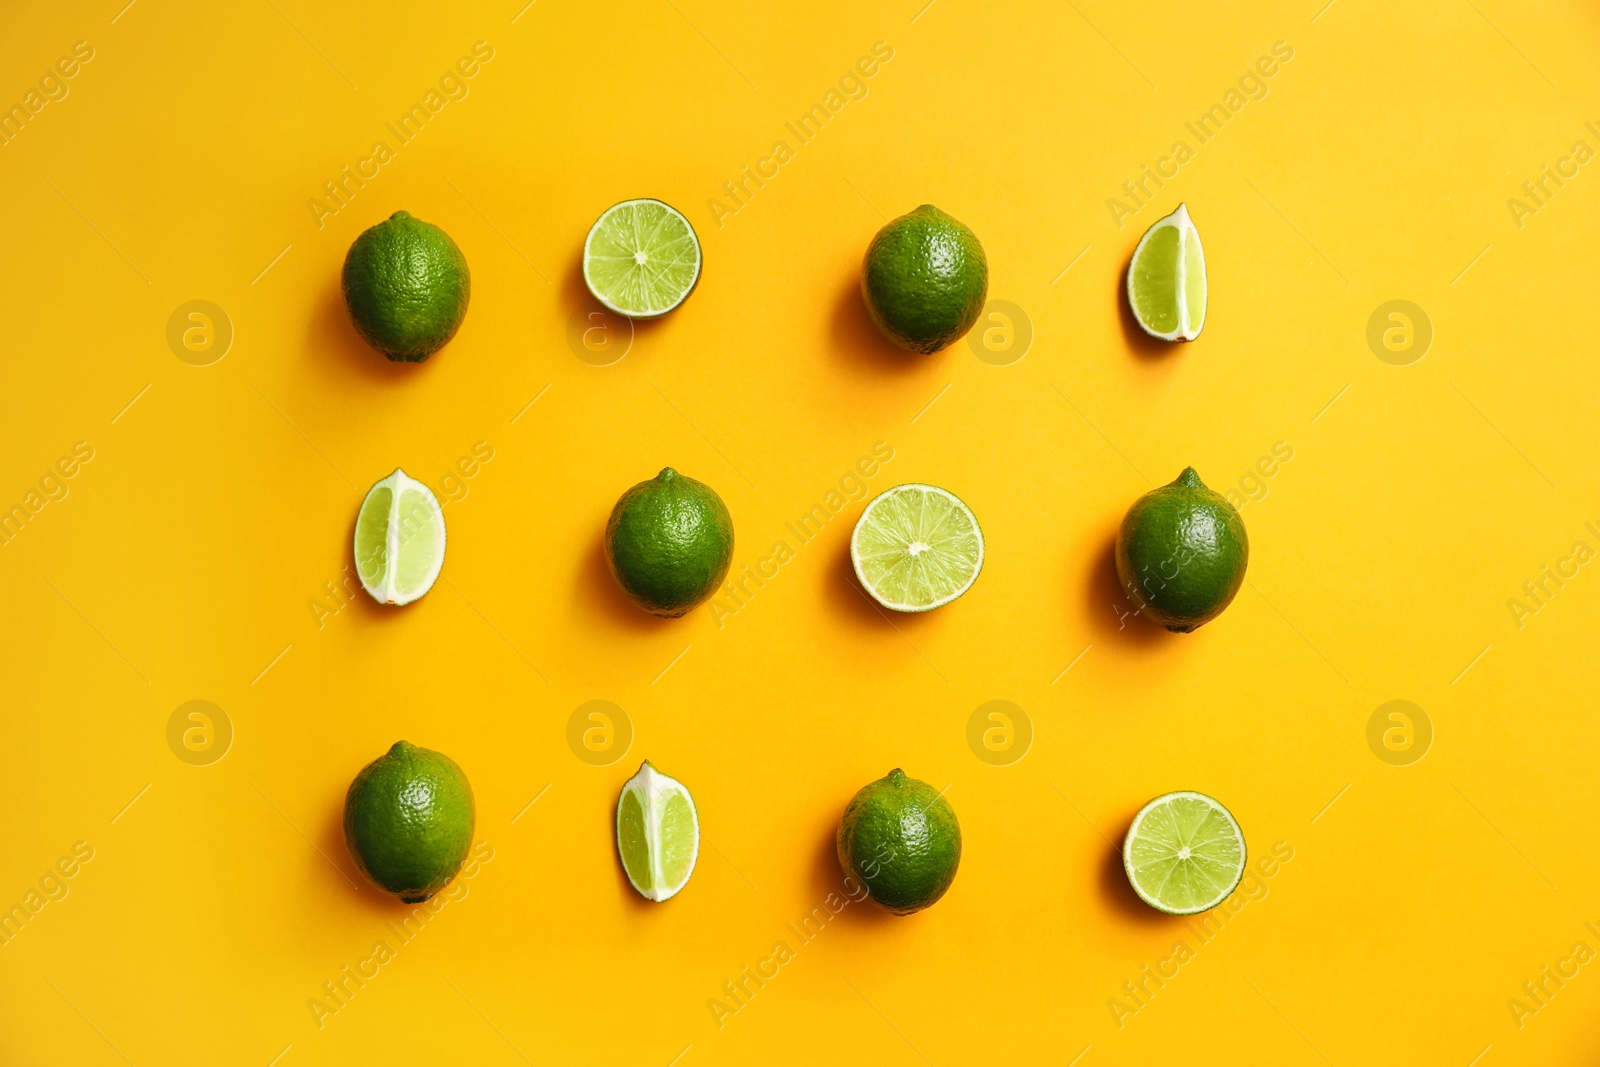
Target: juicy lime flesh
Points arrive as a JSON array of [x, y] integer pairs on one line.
[[421, 538], [1182, 553], [400, 540], [642, 258], [1185, 854], [407, 287], [408, 821], [677, 840], [1155, 281], [372, 537], [632, 843], [924, 279], [916, 548], [899, 837], [669, 543]]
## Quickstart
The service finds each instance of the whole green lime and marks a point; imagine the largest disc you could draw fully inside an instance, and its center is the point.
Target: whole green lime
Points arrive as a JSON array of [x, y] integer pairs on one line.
[[1181, 553], [408, 820], [899, 838], [924, 279], [669, 542], [407, 286]]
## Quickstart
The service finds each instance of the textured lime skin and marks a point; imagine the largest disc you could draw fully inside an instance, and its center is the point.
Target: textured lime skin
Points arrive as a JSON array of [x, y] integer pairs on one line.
[[1182, 553], [669, 542], [407, 286], [408, 821], [924, 279], [900, 839]]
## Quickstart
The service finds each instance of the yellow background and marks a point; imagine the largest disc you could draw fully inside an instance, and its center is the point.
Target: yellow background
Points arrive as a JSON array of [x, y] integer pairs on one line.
[[181, 563]]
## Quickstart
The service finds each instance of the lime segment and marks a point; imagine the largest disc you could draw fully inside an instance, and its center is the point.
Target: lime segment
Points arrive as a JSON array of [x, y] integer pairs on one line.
[[916, 547], [1167, 279], [658, 833], [399, 542], [641, 258], [1184, 853]]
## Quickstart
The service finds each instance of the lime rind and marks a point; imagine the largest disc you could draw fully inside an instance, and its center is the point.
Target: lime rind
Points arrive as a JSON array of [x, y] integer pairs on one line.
[[641, 258], [399, 540], [408, 821], [407, 287], [658, 833], [1184, 853], [916, 547], [1167, 290]]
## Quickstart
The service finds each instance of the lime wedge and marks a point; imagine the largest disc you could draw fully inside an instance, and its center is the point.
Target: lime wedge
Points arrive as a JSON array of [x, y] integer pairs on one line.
[[1184, 853], [641, 258], [1167, 279], [916, 547], [399, 540], [658, 833]]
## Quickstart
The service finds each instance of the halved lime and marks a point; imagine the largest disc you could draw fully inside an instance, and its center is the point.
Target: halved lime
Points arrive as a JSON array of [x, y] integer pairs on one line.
[[399, 540], [916, 547], [1184, 853], [641, 258], [1167, 279], [658, 833]]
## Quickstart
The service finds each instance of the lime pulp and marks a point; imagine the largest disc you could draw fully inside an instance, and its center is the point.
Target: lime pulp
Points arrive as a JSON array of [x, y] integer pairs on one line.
[[641, 258], [1184, 853], [916, 547]]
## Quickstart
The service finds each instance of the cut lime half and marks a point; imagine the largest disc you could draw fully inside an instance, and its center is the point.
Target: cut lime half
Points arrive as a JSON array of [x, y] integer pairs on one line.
[[399, 540], [641, 258], [916, 547], [1167, 279], [1184, 853], [658, 833]]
